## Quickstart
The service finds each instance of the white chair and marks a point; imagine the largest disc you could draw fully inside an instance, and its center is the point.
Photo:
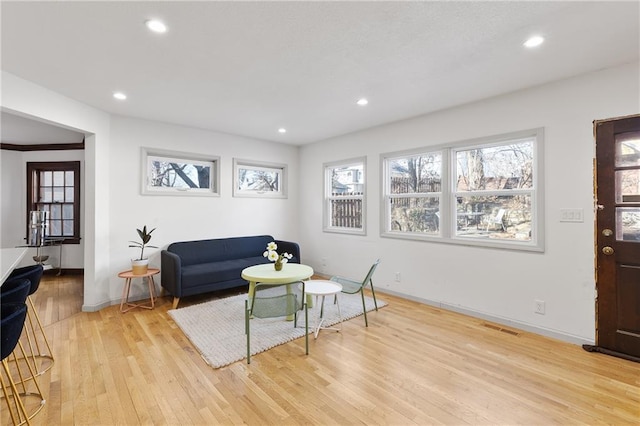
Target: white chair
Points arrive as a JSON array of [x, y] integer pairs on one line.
[[498, 220]]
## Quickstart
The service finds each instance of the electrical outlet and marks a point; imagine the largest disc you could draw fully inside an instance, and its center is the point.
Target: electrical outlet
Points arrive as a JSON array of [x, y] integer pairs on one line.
[[323, 261], [397, 277], [539, 307]]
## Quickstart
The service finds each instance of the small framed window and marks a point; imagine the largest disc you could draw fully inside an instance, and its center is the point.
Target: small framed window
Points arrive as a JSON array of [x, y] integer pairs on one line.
[[259, 179], [54, 188], [179, 173], [344, 201]]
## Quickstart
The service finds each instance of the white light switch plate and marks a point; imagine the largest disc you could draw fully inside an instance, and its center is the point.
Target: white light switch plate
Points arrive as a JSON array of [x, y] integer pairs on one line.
[[571, 215]]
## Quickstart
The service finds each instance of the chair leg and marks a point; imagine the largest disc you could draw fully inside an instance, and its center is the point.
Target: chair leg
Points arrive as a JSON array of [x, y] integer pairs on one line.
[[22, 412], [176, 300], [32, 312], [306, 328], [373, 293], [36, 382], [364, 308]]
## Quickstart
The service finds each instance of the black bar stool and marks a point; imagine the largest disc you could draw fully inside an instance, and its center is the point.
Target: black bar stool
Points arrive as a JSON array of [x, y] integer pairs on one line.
[[35, 329], [12, 319]]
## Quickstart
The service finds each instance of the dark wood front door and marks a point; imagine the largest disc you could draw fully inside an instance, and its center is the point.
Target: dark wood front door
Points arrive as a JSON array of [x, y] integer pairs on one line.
[[618, 235]]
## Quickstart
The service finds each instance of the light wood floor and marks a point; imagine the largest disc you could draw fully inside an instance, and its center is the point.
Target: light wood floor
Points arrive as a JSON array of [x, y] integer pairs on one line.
[[413, 365]]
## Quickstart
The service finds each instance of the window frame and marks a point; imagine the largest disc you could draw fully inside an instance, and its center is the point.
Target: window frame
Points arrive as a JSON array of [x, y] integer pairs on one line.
[[280, 169], [328, 197], [447, 225], [180, 157], [34, 168]]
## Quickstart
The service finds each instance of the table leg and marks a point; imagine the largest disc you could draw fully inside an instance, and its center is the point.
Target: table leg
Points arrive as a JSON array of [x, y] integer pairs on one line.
[[152, 290], [125, 294], [289, 317], [59, 260], [320, 318]]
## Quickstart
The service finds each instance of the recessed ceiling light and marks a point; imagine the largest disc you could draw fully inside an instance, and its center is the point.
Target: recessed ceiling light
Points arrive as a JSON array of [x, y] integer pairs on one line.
[[534, 41], [362, 102], [120, 96], [156, 26], [282, 130]]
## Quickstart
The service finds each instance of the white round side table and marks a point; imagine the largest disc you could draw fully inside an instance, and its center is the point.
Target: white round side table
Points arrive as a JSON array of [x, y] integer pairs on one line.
[[323, 288]]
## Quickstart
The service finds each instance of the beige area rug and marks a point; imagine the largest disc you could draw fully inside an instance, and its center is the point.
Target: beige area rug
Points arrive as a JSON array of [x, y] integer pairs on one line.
[[216, 328]]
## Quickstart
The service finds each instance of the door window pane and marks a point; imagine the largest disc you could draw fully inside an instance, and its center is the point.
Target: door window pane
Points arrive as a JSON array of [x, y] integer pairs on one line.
[[628, 149], [628, 224], [628, 186]]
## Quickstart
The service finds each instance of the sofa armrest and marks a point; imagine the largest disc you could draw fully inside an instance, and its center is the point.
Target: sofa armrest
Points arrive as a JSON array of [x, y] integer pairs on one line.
[[291, 248], [171, 273]]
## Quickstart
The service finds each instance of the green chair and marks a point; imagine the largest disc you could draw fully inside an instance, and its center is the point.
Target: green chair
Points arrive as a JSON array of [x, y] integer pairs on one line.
[[350, 286], [274, 303]]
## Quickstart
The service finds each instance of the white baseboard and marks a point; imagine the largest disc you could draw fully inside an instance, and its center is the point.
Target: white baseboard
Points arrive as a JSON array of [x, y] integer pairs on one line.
[[555, 334]]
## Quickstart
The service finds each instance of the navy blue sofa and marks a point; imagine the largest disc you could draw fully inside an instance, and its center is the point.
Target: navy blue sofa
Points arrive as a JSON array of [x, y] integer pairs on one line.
[[195, 267]]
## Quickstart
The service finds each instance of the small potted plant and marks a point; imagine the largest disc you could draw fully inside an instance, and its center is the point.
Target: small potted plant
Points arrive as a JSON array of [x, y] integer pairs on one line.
[[140, 265]]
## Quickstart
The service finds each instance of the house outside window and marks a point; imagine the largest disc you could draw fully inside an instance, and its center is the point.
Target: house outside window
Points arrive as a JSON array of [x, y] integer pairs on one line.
[[344, 201], [484, 192], [54, 187]]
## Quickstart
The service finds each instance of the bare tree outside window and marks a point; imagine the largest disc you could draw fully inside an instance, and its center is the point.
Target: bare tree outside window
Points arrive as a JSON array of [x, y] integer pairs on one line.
[[179, 175], [258, 179], [493, 191], [175, 173], [415, 188]]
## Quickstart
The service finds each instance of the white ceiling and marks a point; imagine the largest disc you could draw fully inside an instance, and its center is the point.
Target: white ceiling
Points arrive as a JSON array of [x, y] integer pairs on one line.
[[19, 130], [248, 68]]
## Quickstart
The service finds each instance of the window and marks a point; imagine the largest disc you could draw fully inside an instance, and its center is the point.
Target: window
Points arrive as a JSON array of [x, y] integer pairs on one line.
[[178, 173], [414, 191], [256, 179], [55, 189], [483, 192], [344, 188]]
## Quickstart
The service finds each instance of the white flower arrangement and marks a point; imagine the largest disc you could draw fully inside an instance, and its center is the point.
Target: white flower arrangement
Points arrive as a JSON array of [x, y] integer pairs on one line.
[[273, 255]]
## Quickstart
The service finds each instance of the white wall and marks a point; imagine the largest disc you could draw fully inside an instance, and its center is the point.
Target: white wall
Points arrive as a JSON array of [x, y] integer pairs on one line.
[[14, 206], [180, 218], [12, 201], [30, 100], [498, 284], [489, 283]]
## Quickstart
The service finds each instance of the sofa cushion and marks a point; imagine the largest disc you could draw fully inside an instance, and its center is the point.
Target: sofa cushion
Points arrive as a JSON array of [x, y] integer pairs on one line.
[[216, 250], [206, 273]]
